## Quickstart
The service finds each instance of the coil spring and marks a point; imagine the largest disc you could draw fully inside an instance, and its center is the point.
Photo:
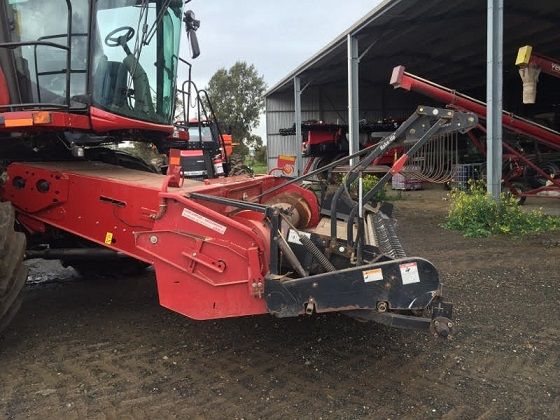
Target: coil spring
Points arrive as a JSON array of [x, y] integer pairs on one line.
[[316, 252]]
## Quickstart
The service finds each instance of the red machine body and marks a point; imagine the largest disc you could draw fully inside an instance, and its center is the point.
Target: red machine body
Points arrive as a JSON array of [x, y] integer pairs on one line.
[[324, 142], [328, 140], [98, 121], [318, 137], [207, 257], [4, 93]]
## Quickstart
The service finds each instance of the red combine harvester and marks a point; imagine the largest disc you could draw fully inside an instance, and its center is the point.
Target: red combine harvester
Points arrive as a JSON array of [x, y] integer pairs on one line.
[[221, 248], [525, 174]]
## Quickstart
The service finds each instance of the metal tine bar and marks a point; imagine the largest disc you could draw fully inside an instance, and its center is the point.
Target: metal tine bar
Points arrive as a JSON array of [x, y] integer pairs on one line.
[[445, 160], [440, 157], [354, 173], [380, 184], [435, 162]]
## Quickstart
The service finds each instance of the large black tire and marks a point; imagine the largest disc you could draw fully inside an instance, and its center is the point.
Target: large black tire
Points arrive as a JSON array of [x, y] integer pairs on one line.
[[534, 180], [240, 169], [13, 273], [237, 166]]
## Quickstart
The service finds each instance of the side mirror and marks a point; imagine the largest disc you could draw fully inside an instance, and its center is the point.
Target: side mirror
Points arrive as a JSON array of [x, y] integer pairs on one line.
[[191, 26], [194, 44]]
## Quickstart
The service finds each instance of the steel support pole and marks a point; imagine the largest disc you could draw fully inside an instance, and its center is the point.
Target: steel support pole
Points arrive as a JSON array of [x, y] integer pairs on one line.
[[353, 96], [297, 122], [494, 94]]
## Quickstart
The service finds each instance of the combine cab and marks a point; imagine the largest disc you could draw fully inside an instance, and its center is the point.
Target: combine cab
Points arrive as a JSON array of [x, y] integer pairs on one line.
[[204, 152], [206, 149], [221, 248]]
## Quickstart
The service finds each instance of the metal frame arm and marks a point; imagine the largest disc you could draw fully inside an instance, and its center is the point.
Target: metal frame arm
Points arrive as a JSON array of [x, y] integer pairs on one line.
[[420, 127]]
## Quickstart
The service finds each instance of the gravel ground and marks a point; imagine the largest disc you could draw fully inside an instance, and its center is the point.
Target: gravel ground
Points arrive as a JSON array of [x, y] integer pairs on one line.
[[103, 348]]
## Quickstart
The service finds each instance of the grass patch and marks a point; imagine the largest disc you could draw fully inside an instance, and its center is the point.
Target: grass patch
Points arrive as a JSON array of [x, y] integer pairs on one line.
[[259, 168], [475, 214]]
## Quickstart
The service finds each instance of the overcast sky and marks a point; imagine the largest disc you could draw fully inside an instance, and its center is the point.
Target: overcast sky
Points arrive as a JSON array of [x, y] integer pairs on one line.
[[275, 36]]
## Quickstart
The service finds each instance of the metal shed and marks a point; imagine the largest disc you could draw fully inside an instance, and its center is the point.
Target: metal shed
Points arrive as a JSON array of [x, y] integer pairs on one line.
[[444, 41]]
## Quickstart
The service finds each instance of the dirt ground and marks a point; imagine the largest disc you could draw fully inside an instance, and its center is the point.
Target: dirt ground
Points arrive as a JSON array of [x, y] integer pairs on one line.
[[105, 349]]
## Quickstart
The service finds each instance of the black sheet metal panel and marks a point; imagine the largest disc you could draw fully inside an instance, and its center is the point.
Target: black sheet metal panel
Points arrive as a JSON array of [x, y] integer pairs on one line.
[[405, 284], [441, 40]]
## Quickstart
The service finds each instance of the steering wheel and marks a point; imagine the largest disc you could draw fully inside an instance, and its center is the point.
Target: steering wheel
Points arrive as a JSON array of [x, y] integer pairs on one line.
[[112, 41]]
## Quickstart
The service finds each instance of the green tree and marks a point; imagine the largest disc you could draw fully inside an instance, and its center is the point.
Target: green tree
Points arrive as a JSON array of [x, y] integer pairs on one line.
[[261, 155], [237, 97], [254, 142]]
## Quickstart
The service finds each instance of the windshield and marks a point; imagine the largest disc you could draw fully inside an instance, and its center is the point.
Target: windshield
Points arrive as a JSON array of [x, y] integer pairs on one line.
[[194, 134], [132, 63], [41, 69], [135, 61]]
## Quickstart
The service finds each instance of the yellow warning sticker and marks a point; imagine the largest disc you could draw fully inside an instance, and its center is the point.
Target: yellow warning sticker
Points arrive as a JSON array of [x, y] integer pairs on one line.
[[109, 238]]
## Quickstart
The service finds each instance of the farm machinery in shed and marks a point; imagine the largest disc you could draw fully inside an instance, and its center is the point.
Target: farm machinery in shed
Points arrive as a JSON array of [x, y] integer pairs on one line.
[[220, 248], [324, 142], [531, 150]]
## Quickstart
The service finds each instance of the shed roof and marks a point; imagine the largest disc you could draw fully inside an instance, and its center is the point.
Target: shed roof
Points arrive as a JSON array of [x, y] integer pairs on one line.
[[442, 40]]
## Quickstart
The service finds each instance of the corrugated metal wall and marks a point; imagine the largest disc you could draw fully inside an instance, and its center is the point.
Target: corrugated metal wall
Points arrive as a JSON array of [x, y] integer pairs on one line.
[[280, 114]]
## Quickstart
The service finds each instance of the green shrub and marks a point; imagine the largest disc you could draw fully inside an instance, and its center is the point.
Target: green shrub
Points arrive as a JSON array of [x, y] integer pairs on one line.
[[476, 214], [368, 183]]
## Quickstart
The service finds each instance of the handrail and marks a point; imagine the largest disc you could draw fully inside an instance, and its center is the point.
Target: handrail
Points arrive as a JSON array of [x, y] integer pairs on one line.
[[186, 90], [37, 73]]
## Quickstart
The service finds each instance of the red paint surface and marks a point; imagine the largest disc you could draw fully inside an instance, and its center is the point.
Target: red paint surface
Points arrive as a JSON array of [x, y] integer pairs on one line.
[[207, 256]]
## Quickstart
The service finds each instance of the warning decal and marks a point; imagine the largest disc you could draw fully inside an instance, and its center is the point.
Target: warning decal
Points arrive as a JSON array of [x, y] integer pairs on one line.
[[204, 221], [409, 273], [375, 274]]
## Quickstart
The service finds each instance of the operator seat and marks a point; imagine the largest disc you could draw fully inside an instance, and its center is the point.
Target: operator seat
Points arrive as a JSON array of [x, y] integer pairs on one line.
[[110, 84], [142, 93]]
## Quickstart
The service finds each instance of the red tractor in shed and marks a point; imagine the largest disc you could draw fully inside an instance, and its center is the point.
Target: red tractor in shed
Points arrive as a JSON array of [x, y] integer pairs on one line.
[[324, 142], [77, 76]]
